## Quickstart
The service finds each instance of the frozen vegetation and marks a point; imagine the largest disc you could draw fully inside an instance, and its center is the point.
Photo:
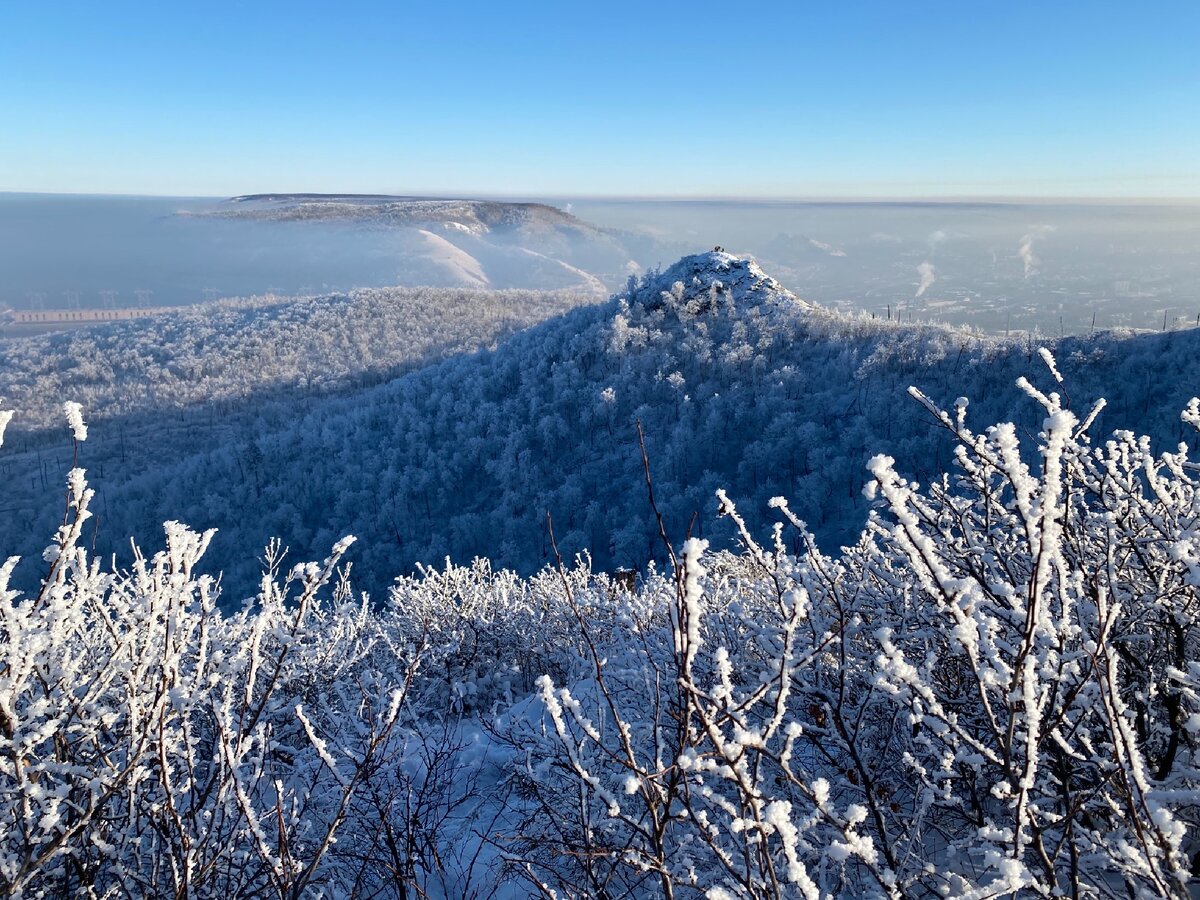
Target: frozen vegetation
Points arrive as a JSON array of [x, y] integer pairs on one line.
[[224, 352], [992, 691], [737, 384]]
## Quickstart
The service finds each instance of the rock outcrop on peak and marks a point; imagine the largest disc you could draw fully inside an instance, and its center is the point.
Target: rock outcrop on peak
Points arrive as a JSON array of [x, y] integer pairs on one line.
[[703, 281]]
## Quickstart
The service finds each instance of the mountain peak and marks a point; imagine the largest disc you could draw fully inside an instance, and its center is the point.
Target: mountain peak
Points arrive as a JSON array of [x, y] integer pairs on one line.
[[713, 276]]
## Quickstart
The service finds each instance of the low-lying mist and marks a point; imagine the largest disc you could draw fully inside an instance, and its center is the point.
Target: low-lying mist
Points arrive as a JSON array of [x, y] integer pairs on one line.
[[1049, 268]]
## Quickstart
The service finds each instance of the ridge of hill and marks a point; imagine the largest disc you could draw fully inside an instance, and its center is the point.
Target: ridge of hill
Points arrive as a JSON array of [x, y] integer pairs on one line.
[[477, 216], [464, 242], [736, 383]]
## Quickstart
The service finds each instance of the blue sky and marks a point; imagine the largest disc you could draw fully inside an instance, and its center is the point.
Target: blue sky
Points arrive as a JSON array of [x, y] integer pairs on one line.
[[583, 98]]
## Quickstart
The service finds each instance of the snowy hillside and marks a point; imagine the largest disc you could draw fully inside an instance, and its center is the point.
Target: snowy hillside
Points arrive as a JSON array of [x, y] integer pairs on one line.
[[737, 384], [475, 216], [466, 243], [225, 352]]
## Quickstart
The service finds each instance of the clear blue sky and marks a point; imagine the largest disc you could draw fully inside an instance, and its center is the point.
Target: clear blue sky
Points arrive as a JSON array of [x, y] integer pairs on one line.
[[602, 98]]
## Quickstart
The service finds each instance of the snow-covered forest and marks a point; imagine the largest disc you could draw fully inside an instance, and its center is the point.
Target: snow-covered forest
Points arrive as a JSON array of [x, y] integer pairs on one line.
[[369, 414], [223, 353], [992, 691]]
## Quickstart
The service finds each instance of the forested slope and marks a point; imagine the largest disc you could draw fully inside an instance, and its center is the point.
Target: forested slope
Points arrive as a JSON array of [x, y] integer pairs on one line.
[[229, 350], [736, 383]]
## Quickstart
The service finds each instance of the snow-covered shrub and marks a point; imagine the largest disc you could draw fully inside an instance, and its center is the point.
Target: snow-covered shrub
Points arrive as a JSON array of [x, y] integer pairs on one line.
[[153, 746], [725, 744], [489, 634], [993, 693], [1036, 625]]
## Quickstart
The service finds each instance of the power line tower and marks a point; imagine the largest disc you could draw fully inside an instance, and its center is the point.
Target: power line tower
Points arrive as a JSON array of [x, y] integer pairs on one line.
[[72, 299], [210, 294], [109, 299], [143, 297]]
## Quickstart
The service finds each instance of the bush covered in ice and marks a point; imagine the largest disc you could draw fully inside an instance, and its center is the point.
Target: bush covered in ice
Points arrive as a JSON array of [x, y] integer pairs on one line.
[[994, 692]]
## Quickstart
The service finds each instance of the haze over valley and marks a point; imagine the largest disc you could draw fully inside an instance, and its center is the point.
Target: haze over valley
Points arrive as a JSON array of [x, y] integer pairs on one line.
[[1000, 267]]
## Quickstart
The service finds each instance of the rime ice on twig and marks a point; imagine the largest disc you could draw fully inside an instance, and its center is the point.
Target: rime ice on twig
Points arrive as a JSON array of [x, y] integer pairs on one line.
[[74, 414]]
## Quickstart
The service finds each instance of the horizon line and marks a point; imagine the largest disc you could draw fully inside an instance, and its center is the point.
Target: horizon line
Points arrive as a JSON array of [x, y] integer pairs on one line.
[[765, 199]]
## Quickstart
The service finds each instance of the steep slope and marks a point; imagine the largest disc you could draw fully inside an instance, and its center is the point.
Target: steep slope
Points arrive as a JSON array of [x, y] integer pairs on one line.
[[457, 264], [163, 390], [737, 384]]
